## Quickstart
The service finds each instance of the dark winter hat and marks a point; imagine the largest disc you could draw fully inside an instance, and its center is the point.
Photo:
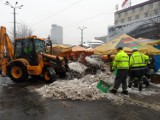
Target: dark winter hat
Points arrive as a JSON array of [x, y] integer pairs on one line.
[[120, 48]]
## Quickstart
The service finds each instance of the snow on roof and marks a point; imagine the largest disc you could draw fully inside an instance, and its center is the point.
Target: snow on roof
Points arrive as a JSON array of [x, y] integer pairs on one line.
[[95, 42]]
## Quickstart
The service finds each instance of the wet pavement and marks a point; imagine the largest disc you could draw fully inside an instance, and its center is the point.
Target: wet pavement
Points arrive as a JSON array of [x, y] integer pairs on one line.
[[18, 101]]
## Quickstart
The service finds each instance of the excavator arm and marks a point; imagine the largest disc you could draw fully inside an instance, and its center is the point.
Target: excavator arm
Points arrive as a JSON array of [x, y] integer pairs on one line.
[[6, 49]]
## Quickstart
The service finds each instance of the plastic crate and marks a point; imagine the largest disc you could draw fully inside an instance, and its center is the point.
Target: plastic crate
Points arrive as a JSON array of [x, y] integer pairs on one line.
[[103, 86]]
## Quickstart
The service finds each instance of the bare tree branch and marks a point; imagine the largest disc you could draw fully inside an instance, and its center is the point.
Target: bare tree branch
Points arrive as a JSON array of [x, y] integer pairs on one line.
[[23, 30]]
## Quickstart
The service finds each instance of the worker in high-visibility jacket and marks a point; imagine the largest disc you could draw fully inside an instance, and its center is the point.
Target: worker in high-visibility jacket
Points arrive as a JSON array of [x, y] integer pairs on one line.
[[121, 63], [144, 77], [138, 66]]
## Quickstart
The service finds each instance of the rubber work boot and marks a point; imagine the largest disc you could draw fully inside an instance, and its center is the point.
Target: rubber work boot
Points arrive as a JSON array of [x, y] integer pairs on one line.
[[125, 92], [140, 86], [145, 81], [135, 85], [113, 91], [130, 85], [147, 84]]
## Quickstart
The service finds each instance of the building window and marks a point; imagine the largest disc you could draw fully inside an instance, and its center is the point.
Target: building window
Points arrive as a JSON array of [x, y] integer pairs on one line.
[[129, 18], [126, 13], [136, 17], [146, 14], [133, 11], [151, 5], [155, 12], [141, 9], [122, 20], [119, 15]]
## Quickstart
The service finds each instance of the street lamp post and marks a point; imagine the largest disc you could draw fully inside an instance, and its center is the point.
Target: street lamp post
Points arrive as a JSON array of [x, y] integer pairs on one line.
[[14, 14], [82, 34]]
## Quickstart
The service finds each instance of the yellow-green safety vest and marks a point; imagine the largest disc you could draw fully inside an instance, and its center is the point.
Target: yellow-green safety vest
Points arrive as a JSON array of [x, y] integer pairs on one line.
[[121, 61], [138, 59]]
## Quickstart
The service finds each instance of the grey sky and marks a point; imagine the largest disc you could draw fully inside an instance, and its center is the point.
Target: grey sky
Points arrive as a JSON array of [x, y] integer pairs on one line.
[[96, 15]]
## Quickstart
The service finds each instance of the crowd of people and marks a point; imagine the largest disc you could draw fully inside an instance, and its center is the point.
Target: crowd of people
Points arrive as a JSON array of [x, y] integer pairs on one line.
[[135, 66]]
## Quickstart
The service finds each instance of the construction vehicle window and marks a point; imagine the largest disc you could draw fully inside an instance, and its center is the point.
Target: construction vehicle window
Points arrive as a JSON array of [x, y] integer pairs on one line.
[[18, 50], [28, 46], [40, 46]]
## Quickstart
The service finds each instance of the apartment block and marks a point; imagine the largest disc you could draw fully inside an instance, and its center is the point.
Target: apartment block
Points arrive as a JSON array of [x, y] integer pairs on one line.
[[141, 20], [56, 34]]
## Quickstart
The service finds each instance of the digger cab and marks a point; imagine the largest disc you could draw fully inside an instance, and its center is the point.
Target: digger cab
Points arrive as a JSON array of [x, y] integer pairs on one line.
[[30, 59], [28, 48]]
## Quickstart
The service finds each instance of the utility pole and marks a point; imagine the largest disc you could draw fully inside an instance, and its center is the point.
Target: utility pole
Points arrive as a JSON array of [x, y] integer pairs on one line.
[[14, 15], [82, 34], [50, 44]]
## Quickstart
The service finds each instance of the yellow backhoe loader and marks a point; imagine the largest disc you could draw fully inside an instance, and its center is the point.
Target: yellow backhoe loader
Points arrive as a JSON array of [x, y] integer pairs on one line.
[[28, 58]]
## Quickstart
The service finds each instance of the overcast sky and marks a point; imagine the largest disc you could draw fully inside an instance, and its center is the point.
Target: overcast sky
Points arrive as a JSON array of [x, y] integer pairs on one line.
[[96, 15]]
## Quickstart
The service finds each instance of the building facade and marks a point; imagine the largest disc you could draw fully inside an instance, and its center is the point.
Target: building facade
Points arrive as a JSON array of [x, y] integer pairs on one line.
[[141, 20], [56, 34]]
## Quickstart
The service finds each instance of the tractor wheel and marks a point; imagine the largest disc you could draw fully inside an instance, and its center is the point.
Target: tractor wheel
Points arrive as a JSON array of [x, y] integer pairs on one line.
[[49, 75], [17, 72]]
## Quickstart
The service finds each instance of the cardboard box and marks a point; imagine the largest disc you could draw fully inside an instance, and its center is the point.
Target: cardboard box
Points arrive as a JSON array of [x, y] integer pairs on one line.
[[155, 78]]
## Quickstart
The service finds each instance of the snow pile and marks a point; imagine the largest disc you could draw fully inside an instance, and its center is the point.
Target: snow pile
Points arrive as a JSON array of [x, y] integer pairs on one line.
[[78, 67], [145, 91], [151, 90], [93, 61], [79, 89], [85, 89]]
